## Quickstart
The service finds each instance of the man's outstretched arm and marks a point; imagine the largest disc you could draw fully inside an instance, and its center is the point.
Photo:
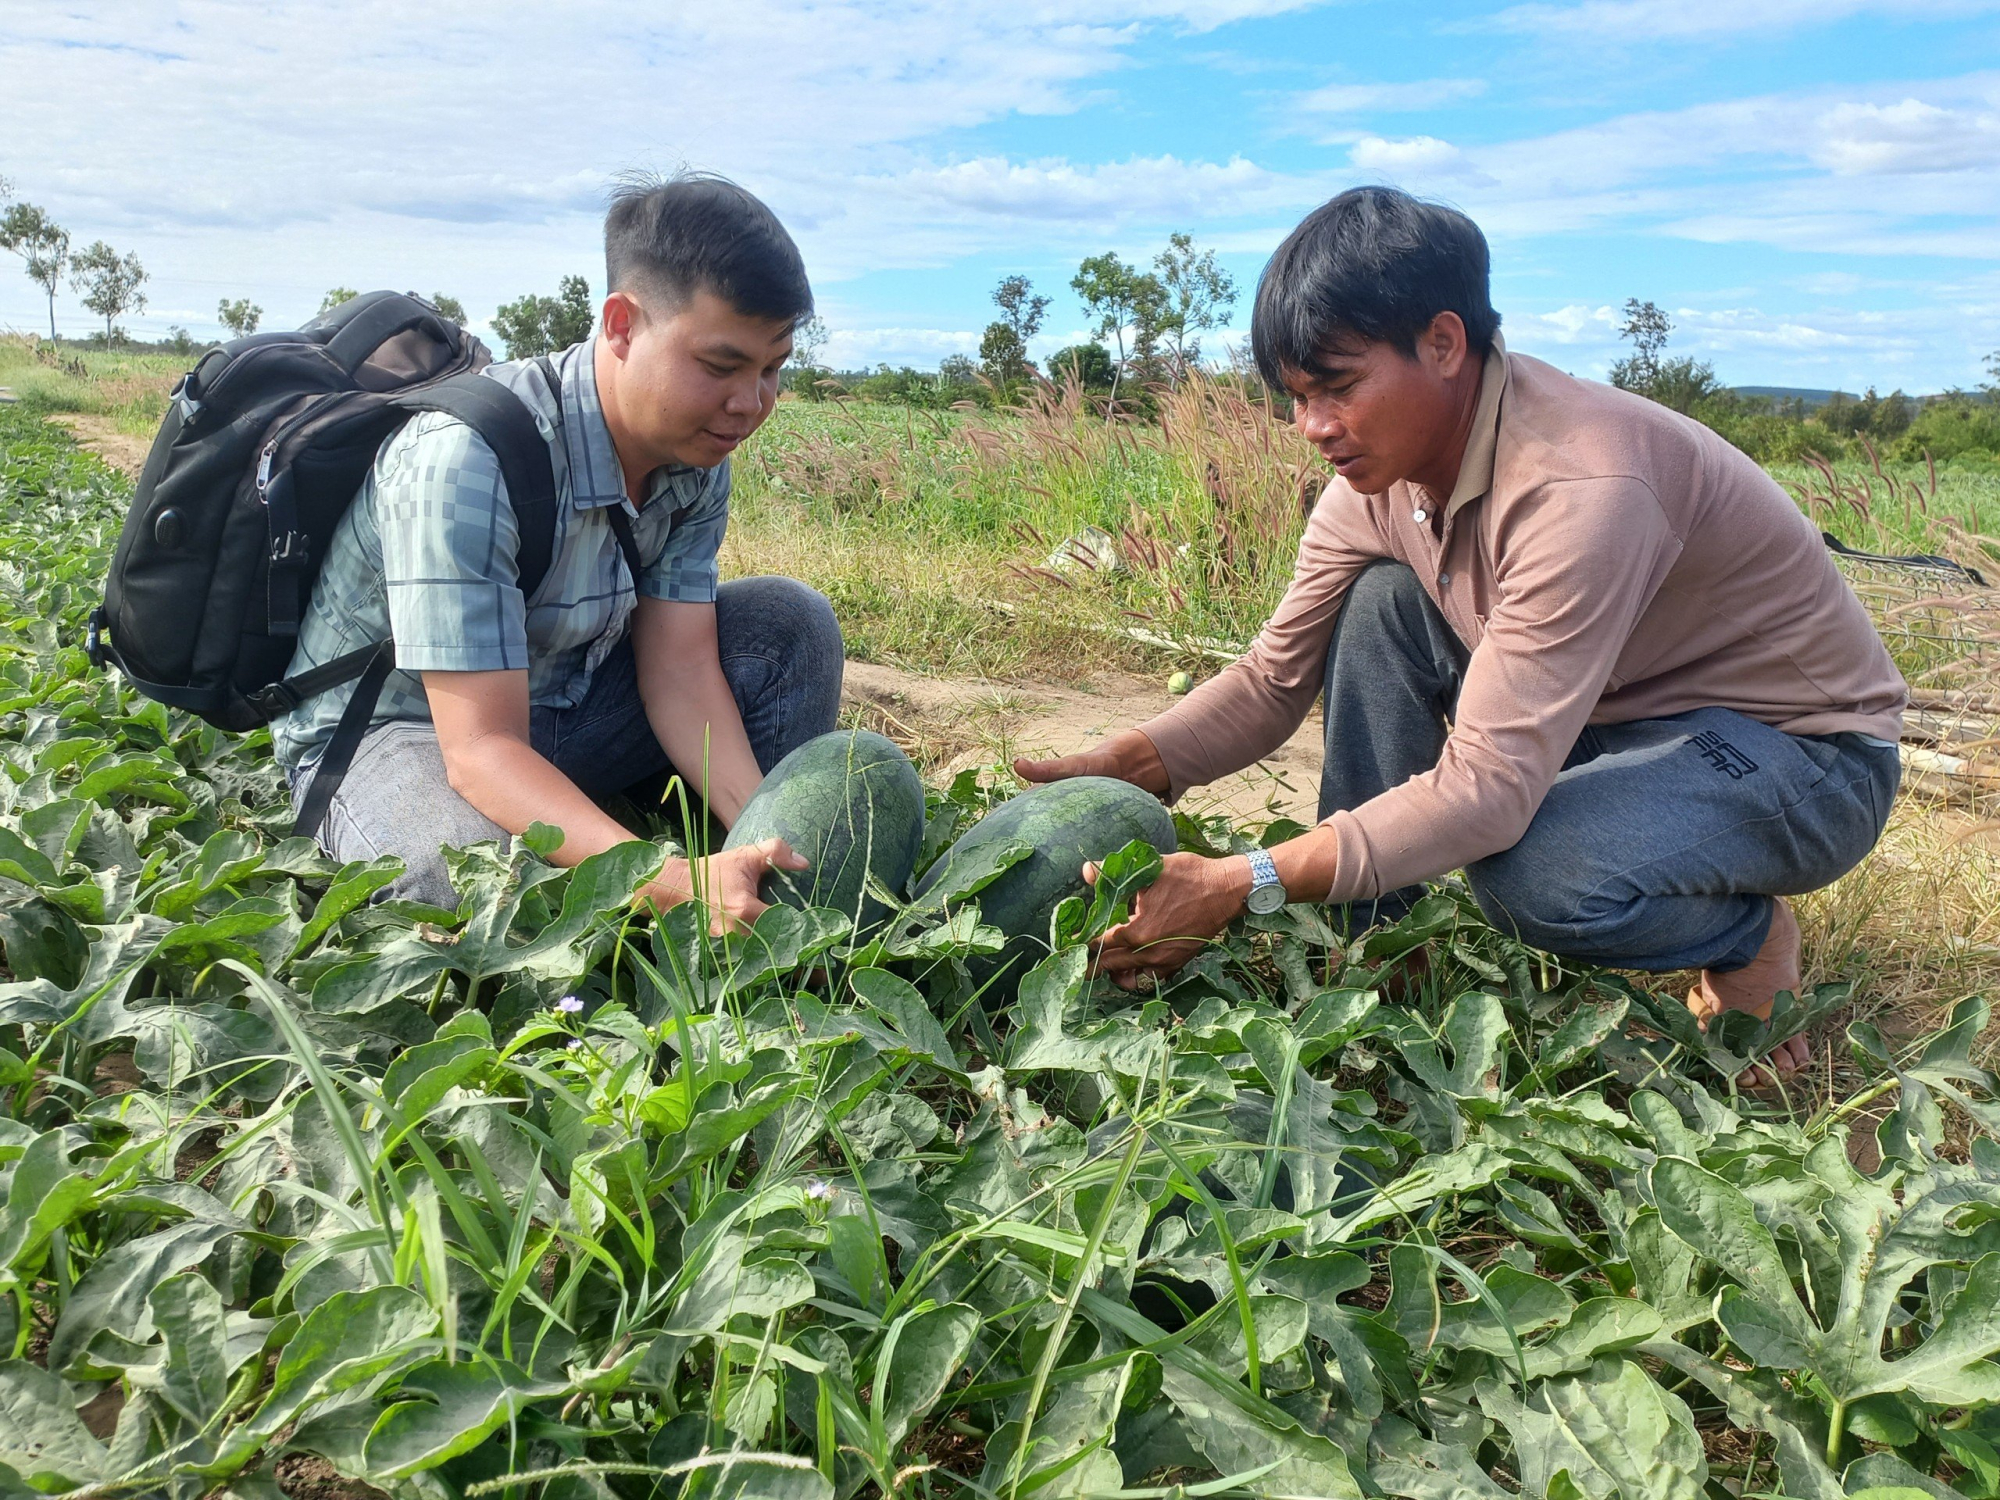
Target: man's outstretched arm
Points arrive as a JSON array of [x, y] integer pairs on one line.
[[689, 704], [482, 729]]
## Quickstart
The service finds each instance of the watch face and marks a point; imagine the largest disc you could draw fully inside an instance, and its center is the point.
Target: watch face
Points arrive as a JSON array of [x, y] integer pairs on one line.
[[1265, 899]]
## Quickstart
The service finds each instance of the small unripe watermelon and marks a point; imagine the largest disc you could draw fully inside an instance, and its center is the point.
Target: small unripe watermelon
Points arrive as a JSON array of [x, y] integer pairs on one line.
[[850, 802], [1066, 823], [1180, 683]]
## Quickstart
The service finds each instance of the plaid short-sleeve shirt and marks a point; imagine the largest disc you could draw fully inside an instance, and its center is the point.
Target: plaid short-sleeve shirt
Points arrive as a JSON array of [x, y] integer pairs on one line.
[[426, 555]]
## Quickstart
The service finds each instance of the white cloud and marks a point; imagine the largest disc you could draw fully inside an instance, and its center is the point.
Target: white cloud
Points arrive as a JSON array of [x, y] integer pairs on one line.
[[1627, 22], [1147, 188], [472, 152], [1907, 136], [1410, 156], [1566, 325], [1386, 98]]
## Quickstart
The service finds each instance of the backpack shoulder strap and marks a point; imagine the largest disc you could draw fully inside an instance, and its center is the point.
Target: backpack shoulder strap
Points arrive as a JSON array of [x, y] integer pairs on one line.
[[621, 524], [509, 429], [1928, 562], [503, 420]]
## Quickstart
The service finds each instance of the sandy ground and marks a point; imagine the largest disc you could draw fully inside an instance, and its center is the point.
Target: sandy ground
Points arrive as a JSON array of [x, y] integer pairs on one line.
[[949, 725], [119, 449]]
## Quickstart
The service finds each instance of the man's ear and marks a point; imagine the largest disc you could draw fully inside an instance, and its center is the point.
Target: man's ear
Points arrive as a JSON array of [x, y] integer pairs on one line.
[[620, 319], [1446, 344]]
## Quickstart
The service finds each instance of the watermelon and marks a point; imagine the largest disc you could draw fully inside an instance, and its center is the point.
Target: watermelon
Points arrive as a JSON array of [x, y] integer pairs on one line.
[[1065, 823], [850, 802]]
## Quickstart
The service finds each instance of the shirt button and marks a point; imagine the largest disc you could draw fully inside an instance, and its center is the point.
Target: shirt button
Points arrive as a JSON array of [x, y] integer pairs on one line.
[[1444, 580], [1419, 516]]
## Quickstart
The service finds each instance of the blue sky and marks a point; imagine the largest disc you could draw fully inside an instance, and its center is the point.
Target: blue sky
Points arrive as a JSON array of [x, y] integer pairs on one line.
[[1811, 187]]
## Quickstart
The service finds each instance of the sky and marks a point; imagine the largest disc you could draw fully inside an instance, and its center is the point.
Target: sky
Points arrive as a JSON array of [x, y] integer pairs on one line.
[[1811, 188]]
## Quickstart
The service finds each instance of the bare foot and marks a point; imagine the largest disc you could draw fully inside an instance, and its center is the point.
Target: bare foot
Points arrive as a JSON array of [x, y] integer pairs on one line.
[[1754, 987]]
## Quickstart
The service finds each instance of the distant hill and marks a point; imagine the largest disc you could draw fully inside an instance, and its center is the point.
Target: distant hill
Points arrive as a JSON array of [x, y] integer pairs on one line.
[[1812, 399]]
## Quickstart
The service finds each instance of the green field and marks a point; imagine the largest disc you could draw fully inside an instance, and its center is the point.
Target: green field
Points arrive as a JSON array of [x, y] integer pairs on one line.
[[303, 1194]]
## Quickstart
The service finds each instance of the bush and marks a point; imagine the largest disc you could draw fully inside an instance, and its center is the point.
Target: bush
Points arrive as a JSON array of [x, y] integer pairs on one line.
[[1957, 426], [934, 391], [1088, 364]]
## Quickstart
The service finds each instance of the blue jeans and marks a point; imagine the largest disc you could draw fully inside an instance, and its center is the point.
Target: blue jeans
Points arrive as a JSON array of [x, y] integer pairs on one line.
[[1662, 841], [781, 653]]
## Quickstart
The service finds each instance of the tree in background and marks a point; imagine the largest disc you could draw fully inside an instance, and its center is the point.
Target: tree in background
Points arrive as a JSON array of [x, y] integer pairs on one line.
[[334, 297], [1119, 297], [240, 317], [42, 244], [1992, 387], [1196, 295], [110, 283], [1003, 349], [1873, 416], [1679, 384], [806, 367], [535, 324], [451, 307], [1647, 327], [1089, 365]]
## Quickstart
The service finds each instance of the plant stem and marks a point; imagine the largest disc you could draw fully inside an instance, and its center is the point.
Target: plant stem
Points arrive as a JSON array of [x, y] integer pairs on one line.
[[1836, 1429]]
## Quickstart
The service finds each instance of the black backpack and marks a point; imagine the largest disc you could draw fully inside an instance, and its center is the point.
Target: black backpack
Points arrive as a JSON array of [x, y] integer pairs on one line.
[[264, 446]]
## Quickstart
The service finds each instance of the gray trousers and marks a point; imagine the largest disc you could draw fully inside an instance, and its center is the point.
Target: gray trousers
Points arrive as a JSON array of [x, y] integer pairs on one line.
[[1662, 841], [781, 653]]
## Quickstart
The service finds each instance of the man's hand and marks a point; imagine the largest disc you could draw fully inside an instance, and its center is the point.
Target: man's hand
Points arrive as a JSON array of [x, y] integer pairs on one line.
[[1129, 756], [727, 883], [1174, 918]]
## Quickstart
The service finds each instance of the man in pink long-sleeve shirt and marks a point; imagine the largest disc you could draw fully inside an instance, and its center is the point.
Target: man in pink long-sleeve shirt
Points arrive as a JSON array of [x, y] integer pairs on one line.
[[1569, 641]]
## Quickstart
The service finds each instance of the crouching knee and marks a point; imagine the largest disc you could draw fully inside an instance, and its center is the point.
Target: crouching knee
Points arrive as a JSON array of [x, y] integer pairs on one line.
[[786, 609], [1522, 899]]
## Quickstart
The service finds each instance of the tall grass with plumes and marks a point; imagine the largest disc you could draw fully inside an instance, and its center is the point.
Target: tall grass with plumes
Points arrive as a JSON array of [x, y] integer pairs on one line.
[[1081, 522]]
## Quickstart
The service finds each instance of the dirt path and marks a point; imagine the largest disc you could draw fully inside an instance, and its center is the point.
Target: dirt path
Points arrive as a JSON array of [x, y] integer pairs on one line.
[[101, 436], [950, 724]]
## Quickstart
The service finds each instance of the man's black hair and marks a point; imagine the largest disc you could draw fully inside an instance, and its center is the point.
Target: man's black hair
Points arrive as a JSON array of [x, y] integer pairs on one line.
[[696, 231], [1373, 264]]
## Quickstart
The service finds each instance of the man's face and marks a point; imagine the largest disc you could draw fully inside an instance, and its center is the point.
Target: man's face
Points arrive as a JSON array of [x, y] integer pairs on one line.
[[1379, 415], [694, 381]]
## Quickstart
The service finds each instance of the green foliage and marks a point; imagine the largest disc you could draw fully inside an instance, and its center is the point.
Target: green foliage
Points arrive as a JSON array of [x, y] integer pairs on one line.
[[1003, 348], [1121, 297], [451, 307], [334, 297], [1089, 365], [1003, 357], [1954, 427], [535, 324], [240, 316], [543, 1197], [1197, 296], [43, 246]]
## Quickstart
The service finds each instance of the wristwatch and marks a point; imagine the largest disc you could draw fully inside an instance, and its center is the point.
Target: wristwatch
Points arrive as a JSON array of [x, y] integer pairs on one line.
[[1267, 892]]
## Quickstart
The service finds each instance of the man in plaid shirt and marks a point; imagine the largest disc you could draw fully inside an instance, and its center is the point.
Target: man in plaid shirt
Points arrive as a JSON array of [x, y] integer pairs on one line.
[[508, 710]]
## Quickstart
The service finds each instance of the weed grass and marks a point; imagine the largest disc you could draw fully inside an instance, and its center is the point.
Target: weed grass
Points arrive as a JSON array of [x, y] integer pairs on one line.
[[127, 388]]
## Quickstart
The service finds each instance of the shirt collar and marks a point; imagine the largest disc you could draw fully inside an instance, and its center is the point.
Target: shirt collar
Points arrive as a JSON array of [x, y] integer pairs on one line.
[[595, 475], [1475, 471]]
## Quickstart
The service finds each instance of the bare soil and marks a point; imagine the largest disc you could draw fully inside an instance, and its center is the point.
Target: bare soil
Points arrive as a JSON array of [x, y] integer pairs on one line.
[[950, 724], [101, 436]]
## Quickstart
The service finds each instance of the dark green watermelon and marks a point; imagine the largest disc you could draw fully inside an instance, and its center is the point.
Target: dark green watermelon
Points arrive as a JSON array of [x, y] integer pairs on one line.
[[850, 802], [1065, 823]]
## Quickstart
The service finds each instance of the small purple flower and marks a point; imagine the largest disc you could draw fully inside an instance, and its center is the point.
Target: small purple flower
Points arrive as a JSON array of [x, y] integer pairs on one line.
[[821, 1192], [569, 1005], [575, 1042]]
